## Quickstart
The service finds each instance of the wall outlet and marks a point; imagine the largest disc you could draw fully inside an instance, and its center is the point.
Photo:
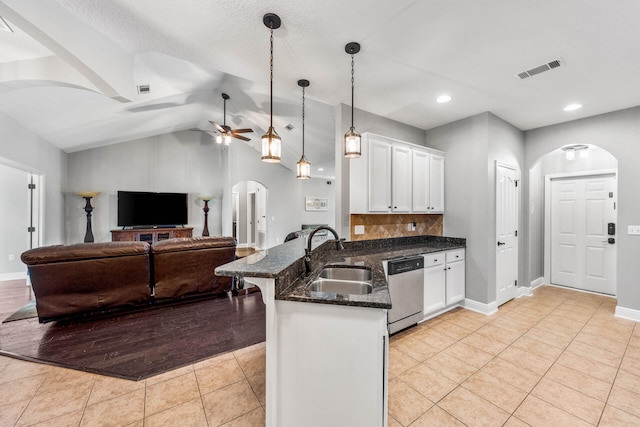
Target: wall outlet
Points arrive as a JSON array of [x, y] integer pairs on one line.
[[12, 257], [411, 226], [634, 230], [358, 229]]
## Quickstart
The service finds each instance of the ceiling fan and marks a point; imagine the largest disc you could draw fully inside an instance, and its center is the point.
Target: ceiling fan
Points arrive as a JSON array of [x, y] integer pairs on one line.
[[225, 133]]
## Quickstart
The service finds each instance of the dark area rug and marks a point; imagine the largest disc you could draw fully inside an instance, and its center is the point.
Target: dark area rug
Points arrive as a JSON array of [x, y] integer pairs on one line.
[[140, 344]]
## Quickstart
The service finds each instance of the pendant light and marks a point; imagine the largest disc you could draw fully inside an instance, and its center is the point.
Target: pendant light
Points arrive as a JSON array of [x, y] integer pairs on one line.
[[352, 139], [271, 140], [303, 167]]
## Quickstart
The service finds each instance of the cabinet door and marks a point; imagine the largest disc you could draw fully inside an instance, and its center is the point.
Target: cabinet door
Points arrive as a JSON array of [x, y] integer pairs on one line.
[[436, 184], [379, 175], [455, 272], [420, 185], [434, 288], [401, 181]]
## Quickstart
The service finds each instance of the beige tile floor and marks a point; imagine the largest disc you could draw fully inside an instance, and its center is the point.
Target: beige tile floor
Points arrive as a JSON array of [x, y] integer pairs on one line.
[[558, 358]]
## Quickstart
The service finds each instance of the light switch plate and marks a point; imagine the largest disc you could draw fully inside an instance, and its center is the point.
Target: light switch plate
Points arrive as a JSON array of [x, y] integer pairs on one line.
[[358, 229], [634, 230]]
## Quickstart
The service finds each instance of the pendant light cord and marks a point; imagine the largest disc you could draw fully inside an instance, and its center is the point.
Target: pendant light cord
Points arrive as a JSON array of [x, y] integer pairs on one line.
[[303, 121], [352, 89], [271, 75]]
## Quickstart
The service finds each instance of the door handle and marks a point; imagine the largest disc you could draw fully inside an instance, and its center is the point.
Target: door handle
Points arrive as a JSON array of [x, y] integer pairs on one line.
[[501, 243]]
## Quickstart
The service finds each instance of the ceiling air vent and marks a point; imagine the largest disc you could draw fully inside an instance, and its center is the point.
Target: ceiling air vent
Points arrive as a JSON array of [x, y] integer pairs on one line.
[[289, 127], [144, 89], [540, 69]]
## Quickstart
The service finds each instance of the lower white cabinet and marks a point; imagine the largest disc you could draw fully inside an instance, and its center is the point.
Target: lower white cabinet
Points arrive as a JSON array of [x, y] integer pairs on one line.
[[444, 280], [331, 365]]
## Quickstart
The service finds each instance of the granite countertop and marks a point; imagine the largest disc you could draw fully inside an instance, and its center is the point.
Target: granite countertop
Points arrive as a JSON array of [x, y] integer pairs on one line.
[[285, 264]]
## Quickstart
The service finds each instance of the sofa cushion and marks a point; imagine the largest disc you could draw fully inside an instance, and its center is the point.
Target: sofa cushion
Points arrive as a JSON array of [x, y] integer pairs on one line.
[[83, 251], [185, 266]]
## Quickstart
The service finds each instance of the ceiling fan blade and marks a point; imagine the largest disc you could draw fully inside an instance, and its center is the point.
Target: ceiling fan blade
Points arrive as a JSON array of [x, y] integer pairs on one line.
[[242, 130], [217, 126], [244, 138]]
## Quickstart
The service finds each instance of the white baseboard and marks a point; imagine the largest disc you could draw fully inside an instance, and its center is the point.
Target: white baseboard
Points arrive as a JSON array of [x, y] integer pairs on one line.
[[535, 283], [13, 276], [627, 313], [480, 307]]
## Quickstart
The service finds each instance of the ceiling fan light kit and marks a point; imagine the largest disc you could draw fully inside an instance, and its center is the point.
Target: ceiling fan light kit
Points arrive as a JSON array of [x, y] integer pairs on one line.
[[225, 133], [271, 140], [352, 139], [303, 167]]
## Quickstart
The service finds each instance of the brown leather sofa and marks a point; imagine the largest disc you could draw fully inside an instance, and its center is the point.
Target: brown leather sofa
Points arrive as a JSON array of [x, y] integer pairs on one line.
[[184, 266], [89, 278]]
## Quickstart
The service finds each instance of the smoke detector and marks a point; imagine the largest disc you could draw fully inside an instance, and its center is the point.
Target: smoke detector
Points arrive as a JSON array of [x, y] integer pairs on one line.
[[556, 63]]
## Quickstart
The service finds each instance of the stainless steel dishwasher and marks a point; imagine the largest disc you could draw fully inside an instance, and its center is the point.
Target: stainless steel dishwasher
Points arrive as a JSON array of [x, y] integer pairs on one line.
[[406, 286]]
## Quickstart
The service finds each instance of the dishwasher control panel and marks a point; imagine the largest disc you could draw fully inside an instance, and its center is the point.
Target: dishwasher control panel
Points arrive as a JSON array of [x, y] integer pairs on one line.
[[403, 265]]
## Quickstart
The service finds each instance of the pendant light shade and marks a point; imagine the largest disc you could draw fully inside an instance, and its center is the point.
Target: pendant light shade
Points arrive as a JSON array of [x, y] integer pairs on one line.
[[271, 140], [352, 139], [303, 167]]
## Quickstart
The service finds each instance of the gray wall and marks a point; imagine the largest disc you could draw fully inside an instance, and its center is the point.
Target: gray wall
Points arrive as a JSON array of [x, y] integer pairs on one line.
[[472, 148], [316, 187], [14, 211], [619, 134], [553, 163], [182, 162], [22, 149]]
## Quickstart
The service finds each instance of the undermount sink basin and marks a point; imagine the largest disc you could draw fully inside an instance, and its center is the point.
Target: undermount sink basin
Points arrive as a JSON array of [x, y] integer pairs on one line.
[[341, 273], [342, 280], [343, 287]]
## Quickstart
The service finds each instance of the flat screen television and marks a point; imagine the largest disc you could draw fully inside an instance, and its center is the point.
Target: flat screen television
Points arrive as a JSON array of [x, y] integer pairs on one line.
[[146, 209]]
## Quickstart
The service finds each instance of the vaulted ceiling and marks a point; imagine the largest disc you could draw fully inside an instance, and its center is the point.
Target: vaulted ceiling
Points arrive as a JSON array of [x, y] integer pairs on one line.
[[70, 68]]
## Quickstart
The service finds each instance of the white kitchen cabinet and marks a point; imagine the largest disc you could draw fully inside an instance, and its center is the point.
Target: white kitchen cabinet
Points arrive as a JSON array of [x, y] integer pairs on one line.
[[444, 280], [428, 182], [455, 276], [434, 283], [436, 184], [379, 176], [331, 365], [396, 177], [402, 179]]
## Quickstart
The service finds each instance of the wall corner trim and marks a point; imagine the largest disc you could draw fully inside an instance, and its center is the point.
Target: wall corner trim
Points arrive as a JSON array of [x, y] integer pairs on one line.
[[481, 307], [627, 313]]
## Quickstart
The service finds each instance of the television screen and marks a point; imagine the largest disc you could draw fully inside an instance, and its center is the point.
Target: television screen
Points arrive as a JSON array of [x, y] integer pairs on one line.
[[138, 209]]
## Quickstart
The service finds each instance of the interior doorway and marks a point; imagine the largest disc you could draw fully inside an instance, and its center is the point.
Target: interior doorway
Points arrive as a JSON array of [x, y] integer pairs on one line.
[[249, 214], [507, 219], [581, 220]]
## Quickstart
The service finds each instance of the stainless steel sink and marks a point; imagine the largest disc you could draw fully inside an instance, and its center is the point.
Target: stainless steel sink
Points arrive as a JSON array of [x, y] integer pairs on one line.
[[342, 273], [342, 280], [343, 287]]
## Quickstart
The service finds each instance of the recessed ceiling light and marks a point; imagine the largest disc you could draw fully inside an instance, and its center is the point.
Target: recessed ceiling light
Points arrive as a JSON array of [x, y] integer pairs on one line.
[[320, 169], [443, 98], [573, 107]]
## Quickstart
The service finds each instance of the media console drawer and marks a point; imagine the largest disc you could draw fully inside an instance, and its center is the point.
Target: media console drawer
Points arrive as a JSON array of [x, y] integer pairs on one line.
[[150, 235]]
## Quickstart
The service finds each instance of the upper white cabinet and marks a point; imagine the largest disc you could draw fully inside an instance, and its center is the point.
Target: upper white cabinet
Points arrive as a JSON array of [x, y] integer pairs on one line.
[[396, 177]]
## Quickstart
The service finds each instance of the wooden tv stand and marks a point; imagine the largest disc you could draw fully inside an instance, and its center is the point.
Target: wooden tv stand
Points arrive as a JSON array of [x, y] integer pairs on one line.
[[149, 235]]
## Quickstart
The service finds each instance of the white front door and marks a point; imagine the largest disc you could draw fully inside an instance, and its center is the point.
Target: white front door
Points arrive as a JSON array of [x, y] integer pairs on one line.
[[506, 233], [581, 254]]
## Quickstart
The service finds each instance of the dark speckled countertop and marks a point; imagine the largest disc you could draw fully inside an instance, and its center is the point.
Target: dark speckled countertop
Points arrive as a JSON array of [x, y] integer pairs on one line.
[[285, 264]]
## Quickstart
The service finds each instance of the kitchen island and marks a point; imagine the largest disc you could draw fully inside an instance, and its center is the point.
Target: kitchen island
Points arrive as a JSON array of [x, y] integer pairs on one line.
[[327, 352]]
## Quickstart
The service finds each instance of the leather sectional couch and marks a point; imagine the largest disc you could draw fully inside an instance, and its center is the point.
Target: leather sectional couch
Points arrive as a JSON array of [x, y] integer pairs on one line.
[[90, 278]]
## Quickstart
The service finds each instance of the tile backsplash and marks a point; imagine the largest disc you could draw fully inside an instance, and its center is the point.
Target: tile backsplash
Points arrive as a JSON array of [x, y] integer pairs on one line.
[[380, 226]]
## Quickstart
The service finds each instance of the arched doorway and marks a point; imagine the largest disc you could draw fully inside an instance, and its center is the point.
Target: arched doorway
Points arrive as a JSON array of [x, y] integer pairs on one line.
[[249, 214], [572, 201]]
